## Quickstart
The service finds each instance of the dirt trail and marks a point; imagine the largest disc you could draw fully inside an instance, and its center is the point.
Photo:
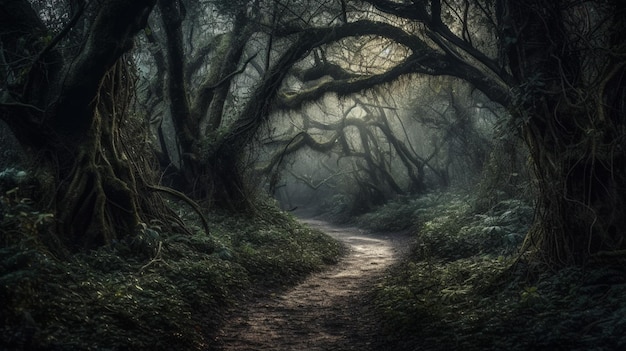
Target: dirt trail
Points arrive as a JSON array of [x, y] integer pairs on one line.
[[328, 311]]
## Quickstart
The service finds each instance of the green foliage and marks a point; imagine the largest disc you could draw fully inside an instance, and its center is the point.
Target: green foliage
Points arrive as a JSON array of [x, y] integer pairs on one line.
[[464, 287], [154, 290], [448, 228], [393, 216], [275, 249], [337, 208], [529, 295], [419, 294], [457, 252], [455, 232], [19, 220]]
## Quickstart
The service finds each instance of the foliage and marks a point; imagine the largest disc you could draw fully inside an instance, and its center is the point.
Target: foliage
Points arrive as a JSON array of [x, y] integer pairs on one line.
[[456, 232], [448, 227], [456, 252], [153, 290], [465, 287], [393, 216], [336, 208], [274, 249], [403, 213]]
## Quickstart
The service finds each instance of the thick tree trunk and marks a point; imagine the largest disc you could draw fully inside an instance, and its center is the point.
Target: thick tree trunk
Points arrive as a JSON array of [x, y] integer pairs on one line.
[[71, 115], [229, 189], [576, 137], [582, 204], [98, 200], [101, 182]]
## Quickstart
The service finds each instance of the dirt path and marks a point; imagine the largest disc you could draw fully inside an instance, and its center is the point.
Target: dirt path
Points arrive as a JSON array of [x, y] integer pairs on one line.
[[328, 311]]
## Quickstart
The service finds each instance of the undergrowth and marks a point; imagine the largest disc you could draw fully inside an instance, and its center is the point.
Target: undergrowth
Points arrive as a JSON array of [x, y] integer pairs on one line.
[[153, 290], [465, 286]]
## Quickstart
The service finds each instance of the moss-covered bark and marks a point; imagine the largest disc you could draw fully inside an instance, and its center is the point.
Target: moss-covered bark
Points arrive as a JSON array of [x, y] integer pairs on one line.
[[74, 122]]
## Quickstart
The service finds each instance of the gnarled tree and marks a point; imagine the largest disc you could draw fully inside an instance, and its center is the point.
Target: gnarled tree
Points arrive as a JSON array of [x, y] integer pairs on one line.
[[65, 94]]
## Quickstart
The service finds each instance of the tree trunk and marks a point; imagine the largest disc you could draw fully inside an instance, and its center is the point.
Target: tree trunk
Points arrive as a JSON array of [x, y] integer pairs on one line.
[[97, 201], [101, 182], [576, 138], [71, 114], [229, 189]]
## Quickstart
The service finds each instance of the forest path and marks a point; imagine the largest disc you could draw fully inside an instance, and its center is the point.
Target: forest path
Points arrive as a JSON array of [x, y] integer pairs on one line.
[[327, 311]]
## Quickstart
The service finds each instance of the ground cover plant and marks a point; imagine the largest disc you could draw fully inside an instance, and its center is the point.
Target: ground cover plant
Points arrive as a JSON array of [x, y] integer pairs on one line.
[[155, 290], [467, 286]]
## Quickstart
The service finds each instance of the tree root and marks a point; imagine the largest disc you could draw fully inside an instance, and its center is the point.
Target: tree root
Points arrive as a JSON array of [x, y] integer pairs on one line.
[[178, 194]]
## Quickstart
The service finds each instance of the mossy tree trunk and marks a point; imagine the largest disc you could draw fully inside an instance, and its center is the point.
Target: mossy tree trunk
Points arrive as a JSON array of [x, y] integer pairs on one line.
[[71, 114], [99, 192], [204, 173]]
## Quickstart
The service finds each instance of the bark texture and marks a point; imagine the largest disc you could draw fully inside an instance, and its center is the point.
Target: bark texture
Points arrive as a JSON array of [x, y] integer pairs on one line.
[[68, 109]]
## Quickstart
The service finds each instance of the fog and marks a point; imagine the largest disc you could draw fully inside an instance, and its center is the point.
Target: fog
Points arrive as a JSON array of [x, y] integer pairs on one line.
[[357, 152]]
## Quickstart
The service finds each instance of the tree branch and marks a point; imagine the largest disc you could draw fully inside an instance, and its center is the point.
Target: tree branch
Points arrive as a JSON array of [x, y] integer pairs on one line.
[[111, 35], [232, 74], [428, 62], [414, 11], [438, 31]]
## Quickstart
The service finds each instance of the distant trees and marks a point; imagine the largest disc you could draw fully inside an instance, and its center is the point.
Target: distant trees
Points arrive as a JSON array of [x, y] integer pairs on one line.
[[380, 146], [221, 83]]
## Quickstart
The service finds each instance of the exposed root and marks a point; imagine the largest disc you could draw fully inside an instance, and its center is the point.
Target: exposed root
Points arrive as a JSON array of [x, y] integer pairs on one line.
[[185, 198]]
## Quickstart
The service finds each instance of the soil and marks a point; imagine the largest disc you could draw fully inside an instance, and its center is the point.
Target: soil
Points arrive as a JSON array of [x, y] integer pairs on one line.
[[330, 310]]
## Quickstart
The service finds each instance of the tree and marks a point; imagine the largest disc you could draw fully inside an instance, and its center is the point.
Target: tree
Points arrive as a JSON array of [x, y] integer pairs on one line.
[[568, 60], [66, 91], [373, 146], [558, 69], [213, 121]]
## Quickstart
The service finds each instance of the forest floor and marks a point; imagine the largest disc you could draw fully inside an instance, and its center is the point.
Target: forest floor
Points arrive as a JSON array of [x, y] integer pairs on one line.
[[330, 310], [456, 282]]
